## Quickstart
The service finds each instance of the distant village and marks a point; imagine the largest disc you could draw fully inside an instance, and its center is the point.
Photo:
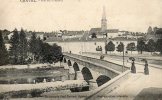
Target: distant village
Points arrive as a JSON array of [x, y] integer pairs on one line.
[[94, 34], [98, 34], [63, 35]]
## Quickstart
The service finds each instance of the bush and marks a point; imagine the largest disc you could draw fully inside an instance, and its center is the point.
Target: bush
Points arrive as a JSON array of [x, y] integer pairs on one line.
[[36, 93], [20, 94]]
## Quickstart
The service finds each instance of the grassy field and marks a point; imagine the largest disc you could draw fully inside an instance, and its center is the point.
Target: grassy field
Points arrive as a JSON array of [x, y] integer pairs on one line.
[[10, 75]]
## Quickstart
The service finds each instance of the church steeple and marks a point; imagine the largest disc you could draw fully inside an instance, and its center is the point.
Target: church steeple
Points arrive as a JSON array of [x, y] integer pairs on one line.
[[104, 13], [104, 21]]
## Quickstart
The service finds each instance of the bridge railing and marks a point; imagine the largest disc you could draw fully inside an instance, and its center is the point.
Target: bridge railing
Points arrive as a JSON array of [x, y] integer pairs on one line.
[[109, 64], [109, 86]]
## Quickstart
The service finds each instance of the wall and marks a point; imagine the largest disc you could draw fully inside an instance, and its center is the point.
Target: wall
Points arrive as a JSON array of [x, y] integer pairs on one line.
[[89, 46]]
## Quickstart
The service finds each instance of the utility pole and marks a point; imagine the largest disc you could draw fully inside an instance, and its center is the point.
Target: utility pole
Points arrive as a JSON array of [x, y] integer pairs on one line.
[[123, 59], [106, 39]]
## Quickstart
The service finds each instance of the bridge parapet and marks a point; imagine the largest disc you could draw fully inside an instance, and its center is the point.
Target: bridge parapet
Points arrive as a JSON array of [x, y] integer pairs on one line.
[[109, 64], [110, 86]]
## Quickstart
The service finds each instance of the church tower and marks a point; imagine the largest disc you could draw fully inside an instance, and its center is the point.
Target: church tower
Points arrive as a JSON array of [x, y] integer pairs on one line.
[[103, 21]]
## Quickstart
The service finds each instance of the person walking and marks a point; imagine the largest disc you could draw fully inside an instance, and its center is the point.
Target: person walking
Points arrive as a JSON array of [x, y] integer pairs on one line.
[[146, 69], [133, 68]]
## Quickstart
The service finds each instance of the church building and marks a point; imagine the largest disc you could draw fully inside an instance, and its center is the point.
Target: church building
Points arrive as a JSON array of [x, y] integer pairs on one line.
[[103, 31]]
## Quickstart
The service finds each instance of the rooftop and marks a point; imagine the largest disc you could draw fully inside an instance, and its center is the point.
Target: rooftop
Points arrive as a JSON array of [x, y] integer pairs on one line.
[[98, 30]]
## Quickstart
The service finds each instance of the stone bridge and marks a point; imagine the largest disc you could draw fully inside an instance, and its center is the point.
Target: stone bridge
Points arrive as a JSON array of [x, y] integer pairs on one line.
[[108, 70]]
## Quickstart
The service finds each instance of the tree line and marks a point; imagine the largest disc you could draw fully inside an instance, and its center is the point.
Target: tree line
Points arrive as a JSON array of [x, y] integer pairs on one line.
[[25, 51], [142, 45], [149, 46], [111, 47]]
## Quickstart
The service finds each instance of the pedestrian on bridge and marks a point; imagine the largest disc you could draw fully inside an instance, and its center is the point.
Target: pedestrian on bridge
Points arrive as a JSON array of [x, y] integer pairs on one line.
[[146, 69], [133, 68]]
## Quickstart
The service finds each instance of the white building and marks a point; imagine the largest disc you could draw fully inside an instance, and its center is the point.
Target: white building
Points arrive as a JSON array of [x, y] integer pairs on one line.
[[72, 34]]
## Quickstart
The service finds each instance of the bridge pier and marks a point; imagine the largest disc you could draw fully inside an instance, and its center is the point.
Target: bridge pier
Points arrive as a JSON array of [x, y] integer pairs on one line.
[[92, 84], [79, 75], [71, 73], [71, 70]]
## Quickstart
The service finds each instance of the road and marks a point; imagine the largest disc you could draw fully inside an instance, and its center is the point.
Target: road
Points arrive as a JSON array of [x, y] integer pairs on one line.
[[153, 63], [135, 84]]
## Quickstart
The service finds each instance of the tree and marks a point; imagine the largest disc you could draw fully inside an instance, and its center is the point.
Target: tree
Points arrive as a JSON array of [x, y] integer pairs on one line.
[[43, 51], [23, 47], [32, 43], [120, 47], [39, 44], [14, 49], [93, 35], [34, 46], [159, 45], [131, 47], [141, 45], [57, 51], [51, 53], [151, 46], [110, 47], [3, 51]]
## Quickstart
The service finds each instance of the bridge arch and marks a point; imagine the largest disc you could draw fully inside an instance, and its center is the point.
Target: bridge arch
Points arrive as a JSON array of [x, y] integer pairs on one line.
[[87, 75], [69, 63], [64, 60], [76, 67], [102, 79]]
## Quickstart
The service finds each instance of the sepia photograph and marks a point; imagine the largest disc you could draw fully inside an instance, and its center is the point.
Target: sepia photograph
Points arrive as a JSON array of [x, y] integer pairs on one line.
[[81, 50]]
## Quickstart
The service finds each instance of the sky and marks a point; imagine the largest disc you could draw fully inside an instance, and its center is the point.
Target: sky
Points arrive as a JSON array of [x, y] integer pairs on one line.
[[129, 15]]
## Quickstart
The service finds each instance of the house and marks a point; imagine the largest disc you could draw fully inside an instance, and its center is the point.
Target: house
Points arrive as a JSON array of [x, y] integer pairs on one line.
[[154, 34], [72, 34]]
